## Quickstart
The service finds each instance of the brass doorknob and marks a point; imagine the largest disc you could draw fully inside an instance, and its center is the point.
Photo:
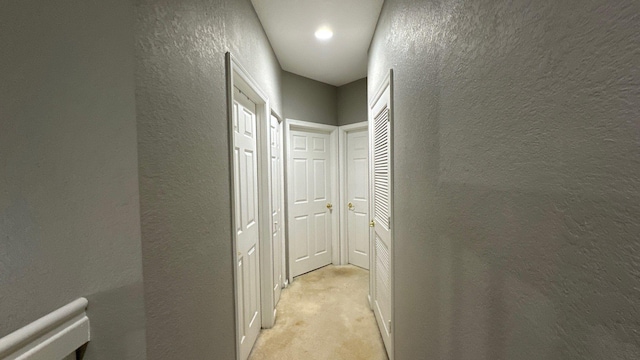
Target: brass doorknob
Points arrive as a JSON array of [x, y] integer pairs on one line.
[[372, 223], [350, 206], [329, 206]]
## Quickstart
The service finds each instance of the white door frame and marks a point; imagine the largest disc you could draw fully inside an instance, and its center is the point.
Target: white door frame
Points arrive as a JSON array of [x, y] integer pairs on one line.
[[342, 154], [283, 206], [238, 76], [285, 212], [292, 124], [387, 83]]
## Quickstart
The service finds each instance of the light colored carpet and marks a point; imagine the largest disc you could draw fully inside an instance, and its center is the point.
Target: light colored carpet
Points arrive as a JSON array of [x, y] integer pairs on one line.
[[323, 315]]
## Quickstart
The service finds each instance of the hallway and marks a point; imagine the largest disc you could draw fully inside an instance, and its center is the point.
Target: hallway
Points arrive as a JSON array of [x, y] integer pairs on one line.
[[512, 204], [324, 314]]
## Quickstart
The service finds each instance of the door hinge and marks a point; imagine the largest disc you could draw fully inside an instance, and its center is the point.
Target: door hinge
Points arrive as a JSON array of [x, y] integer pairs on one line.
[[389, 222], [389, 326]]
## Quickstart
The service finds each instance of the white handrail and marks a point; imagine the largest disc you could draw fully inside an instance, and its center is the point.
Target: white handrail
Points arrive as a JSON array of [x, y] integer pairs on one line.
[[39, 334]]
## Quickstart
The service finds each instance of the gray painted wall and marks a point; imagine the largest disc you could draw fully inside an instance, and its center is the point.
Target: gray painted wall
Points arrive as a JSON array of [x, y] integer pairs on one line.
[[309, 100], [69, 213], [517, 169], [352, 102], [184, 167]]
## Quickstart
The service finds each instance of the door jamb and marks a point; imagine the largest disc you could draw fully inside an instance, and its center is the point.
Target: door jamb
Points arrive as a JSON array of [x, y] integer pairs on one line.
[[238, 76], [283, 205], [293, 124], [343, 131]]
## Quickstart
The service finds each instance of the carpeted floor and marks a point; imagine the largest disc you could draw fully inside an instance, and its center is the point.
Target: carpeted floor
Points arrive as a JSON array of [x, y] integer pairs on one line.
[[323, 315]]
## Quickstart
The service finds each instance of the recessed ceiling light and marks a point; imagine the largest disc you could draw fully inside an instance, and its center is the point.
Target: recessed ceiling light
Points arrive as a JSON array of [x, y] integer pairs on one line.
[[324, 33]]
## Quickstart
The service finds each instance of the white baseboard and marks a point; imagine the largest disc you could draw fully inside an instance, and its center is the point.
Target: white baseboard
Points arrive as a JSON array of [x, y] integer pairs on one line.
[[53, 336]]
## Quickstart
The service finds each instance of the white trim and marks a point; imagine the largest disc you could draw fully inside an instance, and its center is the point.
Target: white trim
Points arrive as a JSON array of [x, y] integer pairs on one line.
[[53, 336], [305, 125], [285, 212], [381, 89], [283, 216], [387, 83], [392, 211], [238, 76], [293, 124], [342, 156], [355, 126], [277, 116], [283, 204], [283, 225]]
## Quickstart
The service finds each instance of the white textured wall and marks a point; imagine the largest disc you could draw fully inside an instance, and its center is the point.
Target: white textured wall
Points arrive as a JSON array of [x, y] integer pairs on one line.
[[184, 167], [352, 102], [517, 167], [309, 100], [69, 202]]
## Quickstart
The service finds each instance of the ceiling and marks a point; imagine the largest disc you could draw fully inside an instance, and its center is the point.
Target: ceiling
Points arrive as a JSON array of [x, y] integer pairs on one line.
[[290, 26]]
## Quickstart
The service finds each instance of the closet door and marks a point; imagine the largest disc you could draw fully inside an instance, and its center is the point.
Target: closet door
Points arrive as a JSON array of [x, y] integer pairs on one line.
[[381, 209], [310, 200]]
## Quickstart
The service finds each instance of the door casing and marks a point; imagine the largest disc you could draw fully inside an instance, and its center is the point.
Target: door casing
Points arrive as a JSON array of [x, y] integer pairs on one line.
[[281, 201], [238, 76]]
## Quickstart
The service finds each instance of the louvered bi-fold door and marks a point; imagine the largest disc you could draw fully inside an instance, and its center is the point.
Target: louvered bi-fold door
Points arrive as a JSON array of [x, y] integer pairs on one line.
[[380, 125]]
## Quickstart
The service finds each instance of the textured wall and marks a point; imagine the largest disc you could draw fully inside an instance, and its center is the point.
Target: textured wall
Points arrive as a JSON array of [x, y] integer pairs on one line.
[[69, 213], [517, 167], [352, 102], [309, 100], [184, 167]]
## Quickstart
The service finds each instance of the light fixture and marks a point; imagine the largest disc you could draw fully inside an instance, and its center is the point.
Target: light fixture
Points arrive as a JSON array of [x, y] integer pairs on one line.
[[324, 33]]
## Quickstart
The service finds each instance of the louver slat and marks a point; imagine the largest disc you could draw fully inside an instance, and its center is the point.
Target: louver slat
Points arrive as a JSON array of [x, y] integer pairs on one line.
[[381, 168]]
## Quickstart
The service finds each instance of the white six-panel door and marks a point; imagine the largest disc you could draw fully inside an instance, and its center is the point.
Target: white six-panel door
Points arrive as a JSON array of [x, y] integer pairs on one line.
[[245, 169], [277, 179], [381, 236], [310, 200], [357, 181]]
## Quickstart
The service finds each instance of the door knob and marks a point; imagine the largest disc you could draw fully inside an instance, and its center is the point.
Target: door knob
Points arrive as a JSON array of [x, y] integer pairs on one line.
[[372, 223], [350, 206], [329, 206]]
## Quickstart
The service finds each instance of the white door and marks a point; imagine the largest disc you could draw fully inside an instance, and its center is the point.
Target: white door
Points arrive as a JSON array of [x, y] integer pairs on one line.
[[381, 236], [245, 167], [357, 197], [310, 201], [277, 202]]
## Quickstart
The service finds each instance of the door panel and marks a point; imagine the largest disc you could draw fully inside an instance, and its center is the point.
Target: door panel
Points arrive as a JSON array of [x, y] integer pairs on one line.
[[380, 140], [246, 202], [321, 224], [310, 188], [301, 235], [300, 177], [319, 180], [357, 197]]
